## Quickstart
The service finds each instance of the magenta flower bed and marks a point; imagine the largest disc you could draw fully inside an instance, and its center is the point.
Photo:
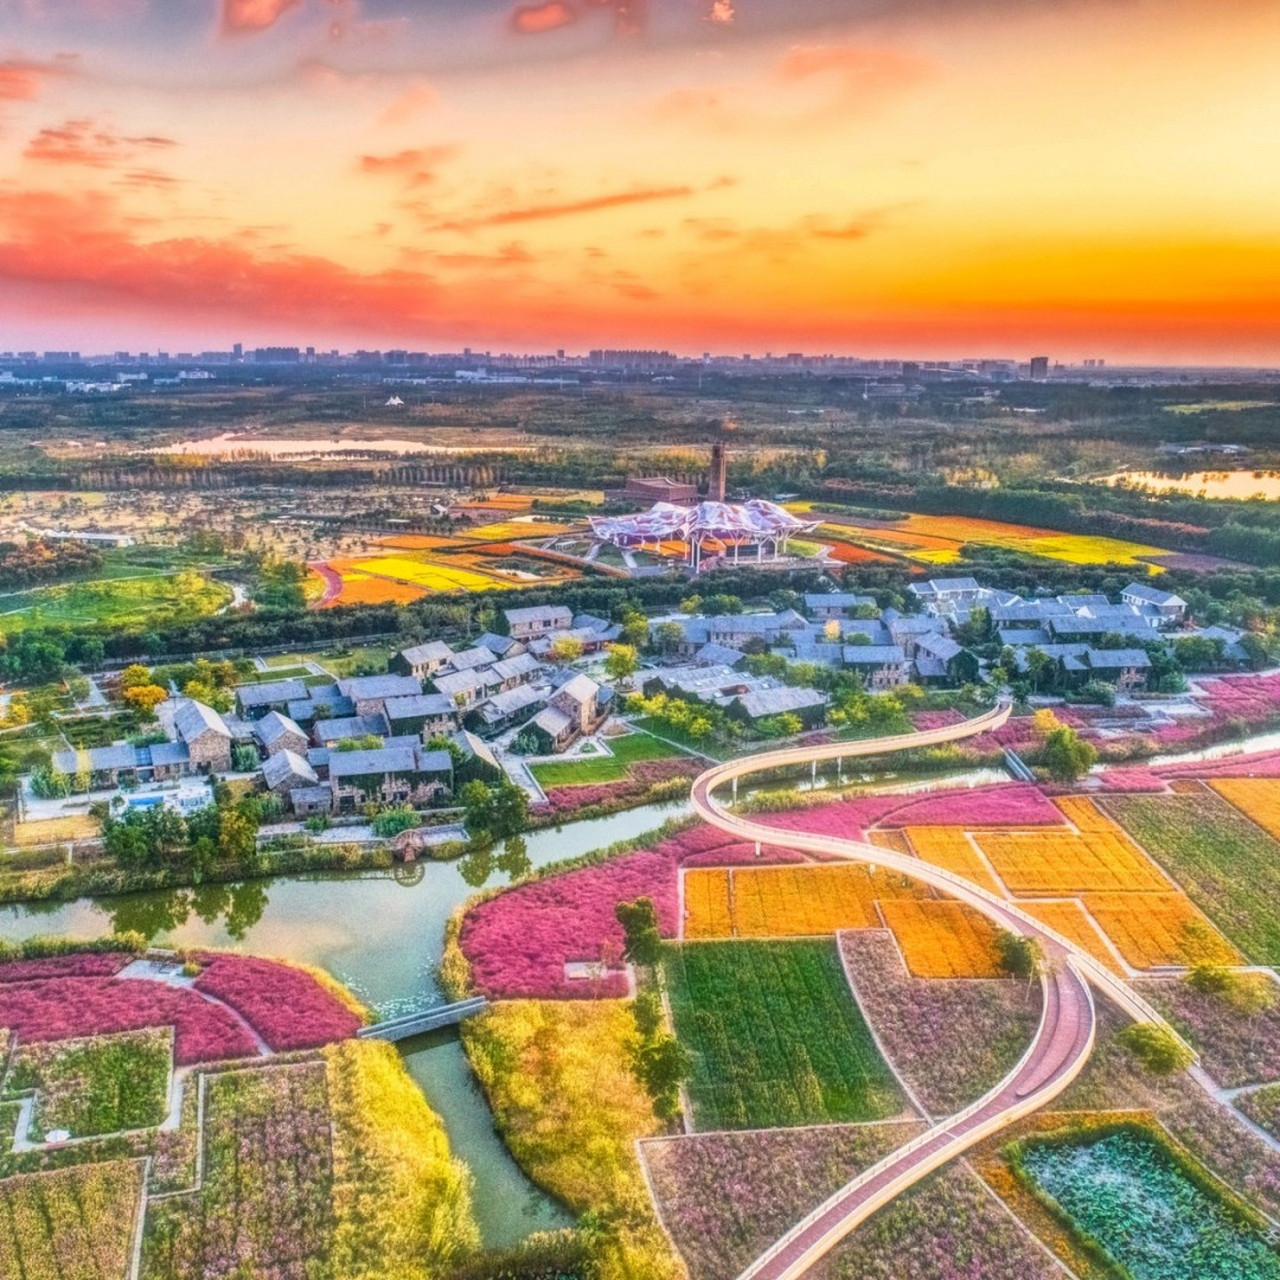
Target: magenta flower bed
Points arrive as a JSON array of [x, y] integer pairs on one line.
[[1132, 780], [519, 942], [287, 1007], [62, 1008], [1005, 804], [1017, 804], [1244, 697], [82, 965], [1265, 764], [936, 719]]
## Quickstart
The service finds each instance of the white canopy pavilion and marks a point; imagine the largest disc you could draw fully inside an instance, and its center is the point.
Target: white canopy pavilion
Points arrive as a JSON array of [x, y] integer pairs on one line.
[[724, 527]]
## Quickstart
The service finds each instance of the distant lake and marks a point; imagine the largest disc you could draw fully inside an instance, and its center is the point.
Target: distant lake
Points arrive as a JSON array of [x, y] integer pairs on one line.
[[1213, 484], [233, 442]]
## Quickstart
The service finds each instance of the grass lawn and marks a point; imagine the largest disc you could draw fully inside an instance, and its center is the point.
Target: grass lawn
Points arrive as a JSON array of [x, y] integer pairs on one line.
[[350, 662], [275, 673], [592, 769], [180, 597], [1229, 866], [775, 1036]]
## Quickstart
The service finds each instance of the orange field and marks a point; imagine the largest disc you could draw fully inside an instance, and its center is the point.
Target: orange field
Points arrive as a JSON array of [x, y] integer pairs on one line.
[[895, 841], [1158, 929], [951, 849], [706, 904], [1053, 863], [1066, 916], [1083, 813], [362, 589], [942, 939], [1256, 798], [787, 902], [847, 553]]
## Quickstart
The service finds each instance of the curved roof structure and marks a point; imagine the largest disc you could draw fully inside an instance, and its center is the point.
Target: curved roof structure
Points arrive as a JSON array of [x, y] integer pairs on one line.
[[754, 521]]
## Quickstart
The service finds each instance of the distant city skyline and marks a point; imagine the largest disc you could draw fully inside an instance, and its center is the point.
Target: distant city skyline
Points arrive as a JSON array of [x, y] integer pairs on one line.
[[860, 176]]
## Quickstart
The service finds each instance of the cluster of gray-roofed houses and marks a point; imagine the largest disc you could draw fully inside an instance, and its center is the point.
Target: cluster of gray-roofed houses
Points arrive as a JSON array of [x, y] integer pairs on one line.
[[333, 747], [888, 648], [504, 682]]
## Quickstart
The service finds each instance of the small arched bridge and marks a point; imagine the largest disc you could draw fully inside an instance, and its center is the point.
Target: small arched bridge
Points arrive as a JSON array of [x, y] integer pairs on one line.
[[1055, 1057]]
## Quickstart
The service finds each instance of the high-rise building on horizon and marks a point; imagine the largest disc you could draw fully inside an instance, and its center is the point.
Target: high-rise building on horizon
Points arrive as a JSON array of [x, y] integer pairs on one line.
[[1039, 368]]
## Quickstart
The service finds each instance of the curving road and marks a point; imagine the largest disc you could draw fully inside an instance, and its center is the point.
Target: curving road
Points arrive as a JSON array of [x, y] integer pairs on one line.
[[1055, 1057]]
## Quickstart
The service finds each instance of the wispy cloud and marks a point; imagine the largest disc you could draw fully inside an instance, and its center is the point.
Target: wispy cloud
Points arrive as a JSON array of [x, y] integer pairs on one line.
[[85, 142], [566, 208]]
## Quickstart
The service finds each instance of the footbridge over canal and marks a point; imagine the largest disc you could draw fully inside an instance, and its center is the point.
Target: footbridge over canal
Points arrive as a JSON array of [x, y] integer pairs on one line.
[[416, 1024]]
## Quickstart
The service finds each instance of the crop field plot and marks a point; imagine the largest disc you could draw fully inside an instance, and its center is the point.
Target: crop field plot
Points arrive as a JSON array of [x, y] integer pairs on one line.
[[775, 1036], [511, 530], [1067, 917], [1228, 865], [942, 939], [267, 1170], [706, 904], [428, 574], [951, 849], [1054, 863], [1151, 929], [1256, 798], [96, 1085], [1075, 548], [77, 826], [70, 1224], [794, 901]]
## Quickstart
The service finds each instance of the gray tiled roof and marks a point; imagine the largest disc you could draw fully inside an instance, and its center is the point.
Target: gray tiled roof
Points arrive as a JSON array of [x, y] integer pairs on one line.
[[539, 613], [274, 726], [367, 688], [271, 691], [772, 702], [193, 718], [422, 704], [349, 727], [431, 651], [873, 655], [287, 766]]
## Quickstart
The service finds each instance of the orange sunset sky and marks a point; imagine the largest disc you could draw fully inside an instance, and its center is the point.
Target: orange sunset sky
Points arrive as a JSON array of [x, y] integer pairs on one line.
[[955, 178]]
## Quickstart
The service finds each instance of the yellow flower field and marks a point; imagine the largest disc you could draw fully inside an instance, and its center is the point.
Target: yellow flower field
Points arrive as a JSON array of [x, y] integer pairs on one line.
[[951, 849], [423, 573], [1083, 813], [942, 939], [1158, 929], [1256, 798], [787, 902], [361, 588], [1054, 863], [510, 530], [1075, 548], [708, 913], [1066, 916], [894, 841]]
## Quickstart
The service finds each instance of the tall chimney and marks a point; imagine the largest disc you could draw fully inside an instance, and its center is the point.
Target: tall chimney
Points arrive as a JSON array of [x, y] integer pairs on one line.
[[715, 489]]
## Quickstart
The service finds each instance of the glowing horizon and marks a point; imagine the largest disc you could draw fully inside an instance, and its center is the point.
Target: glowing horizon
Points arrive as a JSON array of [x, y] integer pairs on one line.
[[984, 179]]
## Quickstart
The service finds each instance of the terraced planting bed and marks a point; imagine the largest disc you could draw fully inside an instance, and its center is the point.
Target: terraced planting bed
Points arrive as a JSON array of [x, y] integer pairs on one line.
[[311, 1163], [775, 1036]]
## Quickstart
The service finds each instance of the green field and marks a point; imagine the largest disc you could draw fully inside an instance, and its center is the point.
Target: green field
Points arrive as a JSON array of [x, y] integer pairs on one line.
[[775, 1036], [626, 751], [1229, 866], [116, 602]]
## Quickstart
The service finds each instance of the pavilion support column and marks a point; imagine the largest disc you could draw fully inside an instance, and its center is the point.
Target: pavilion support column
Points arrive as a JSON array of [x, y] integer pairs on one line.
[[735, 791]]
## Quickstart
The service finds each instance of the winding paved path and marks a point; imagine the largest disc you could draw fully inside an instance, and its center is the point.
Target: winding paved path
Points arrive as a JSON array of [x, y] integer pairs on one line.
[[1055, 1057]]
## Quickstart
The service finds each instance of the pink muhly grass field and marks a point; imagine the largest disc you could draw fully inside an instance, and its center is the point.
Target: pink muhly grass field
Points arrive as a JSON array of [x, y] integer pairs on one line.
[[519, 942], [63, 1008], [1265, 764], [287, 1007], [78, 965]]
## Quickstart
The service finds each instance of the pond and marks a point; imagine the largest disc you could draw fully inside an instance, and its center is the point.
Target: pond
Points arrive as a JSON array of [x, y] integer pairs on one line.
[[1240, 485], [382, 936]]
